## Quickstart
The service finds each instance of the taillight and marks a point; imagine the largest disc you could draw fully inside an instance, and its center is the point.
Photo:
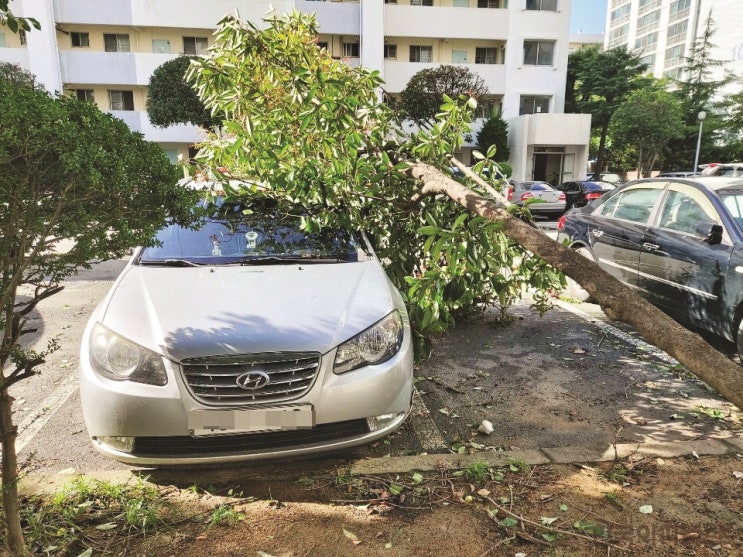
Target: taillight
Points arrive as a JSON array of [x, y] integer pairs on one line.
[[561, 222], [562, 197], [510, 194], [593, 195], [525, 196]]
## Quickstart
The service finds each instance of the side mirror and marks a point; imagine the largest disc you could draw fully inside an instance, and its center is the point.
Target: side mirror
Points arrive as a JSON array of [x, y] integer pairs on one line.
[[709, 232]]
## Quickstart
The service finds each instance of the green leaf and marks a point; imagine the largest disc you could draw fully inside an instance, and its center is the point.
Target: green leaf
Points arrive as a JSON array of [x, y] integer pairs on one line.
[[396, 489], [509, 522], [417, 478]]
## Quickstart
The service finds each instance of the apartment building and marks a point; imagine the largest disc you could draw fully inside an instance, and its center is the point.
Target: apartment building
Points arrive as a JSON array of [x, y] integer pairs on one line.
[[663, 32], [105, 52]]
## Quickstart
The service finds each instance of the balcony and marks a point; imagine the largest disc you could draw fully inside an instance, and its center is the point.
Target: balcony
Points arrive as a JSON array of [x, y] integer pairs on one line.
[[397, 74], [335, 18], [446, 23], [110, 68], [163, 13], [140, 122]]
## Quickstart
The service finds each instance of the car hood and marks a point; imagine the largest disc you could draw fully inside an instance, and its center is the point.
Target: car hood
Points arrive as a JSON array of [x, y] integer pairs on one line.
[[205, 311]]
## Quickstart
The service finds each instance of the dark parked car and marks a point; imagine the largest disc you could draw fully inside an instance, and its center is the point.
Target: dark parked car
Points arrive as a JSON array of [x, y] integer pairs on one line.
[[579, 193], [678, 242], [548, 201]]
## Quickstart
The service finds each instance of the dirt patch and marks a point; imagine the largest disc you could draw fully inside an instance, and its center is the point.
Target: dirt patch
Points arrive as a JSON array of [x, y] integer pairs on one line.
[[640, 506]]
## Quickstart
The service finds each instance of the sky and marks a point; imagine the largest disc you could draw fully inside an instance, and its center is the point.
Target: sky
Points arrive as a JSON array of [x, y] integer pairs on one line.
[[588, 16]]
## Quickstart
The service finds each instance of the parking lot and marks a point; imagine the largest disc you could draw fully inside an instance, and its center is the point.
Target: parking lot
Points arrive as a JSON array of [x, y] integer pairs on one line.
[[568, 380]]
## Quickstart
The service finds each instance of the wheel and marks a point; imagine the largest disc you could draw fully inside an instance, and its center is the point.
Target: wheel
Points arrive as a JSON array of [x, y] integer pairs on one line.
[[575, 290]]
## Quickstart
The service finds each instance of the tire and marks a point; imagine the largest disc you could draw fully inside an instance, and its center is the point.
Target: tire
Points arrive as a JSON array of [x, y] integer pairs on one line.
[[576, 291]]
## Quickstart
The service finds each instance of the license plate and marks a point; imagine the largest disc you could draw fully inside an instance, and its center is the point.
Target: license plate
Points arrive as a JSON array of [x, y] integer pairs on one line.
[[277, 418]]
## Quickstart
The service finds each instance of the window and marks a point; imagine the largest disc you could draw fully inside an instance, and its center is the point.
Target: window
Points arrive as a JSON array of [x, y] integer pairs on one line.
[[542, 5], [2, 40], [350, 50], [533, 105], [390, 52], [458, 56], [538, 53], [649, 20], [648, 60], [421, 2], [161, 46], [486, 55], [322, 45], [683, 214], [80, 39], [22, 36], [83, 95], [675, 53], [677, 30], [621, 12], [488, 3], [195, 45], [633, 205], [421, 53], [647, 40], [679, 6], [488, 108], [121, 100], [116, 42], [390, 1], [461, 3]]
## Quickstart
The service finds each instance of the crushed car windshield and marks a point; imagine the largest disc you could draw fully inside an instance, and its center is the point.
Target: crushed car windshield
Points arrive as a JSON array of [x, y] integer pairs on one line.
[[236, 238]]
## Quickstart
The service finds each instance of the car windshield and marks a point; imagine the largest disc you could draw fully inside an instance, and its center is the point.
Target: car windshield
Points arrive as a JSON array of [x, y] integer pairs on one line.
[[234, 238]]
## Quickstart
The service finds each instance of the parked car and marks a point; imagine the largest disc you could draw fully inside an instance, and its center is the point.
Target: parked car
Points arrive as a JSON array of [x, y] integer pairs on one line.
[[246, 338], [677, 174], [548, 200], [611, 177], [728, 169], [580, 192], [678, 242]]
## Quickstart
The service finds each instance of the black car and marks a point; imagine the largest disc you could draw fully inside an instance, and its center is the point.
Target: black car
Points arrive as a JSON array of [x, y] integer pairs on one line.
[[580, 192], [678, 242]]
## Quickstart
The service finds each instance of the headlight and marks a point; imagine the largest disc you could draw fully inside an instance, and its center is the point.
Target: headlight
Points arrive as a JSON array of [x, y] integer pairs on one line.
[[375, 345], [119, 359]]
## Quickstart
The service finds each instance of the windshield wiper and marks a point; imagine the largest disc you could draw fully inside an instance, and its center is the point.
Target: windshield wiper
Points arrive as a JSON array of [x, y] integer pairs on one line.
[[290, 260], [169, 262]]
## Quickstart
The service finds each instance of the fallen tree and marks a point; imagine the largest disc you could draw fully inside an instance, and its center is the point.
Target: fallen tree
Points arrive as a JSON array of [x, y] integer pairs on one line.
[[315, 133]]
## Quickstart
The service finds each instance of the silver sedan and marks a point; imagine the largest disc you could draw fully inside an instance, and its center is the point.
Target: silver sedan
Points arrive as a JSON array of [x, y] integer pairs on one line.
[[246, 338]]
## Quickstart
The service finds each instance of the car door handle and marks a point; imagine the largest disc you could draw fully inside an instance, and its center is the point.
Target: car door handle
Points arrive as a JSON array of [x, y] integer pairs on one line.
[[650, 247]]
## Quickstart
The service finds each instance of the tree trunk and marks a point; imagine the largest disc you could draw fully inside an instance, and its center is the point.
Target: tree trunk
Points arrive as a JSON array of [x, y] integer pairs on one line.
[[618, 301], [601, 155], [14, 542]]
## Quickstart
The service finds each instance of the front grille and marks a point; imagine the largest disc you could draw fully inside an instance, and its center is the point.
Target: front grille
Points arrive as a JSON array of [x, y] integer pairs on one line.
[[214, 380], [184, 446]]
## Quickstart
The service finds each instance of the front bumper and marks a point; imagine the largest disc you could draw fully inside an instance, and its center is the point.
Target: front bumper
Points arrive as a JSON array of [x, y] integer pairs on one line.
[[152, 422]]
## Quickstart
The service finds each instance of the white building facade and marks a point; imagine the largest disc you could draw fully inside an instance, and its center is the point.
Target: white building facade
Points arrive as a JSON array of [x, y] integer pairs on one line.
[[106, 51], [663, 33]]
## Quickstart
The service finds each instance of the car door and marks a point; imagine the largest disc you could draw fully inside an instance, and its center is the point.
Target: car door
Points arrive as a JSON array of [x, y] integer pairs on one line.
[[618, 229], [680, 271]]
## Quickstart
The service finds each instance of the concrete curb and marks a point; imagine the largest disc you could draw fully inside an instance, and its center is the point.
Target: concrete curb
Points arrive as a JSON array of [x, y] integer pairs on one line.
[[447, 462]]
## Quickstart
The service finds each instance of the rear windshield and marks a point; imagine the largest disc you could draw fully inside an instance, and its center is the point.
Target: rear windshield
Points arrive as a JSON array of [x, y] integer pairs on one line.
[[238, 238]]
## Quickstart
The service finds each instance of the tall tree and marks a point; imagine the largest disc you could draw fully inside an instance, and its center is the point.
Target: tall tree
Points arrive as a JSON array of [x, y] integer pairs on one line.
[[423, 95], [170, 100], [494, 132], [647, 120], [598, 83], [67, 172], [315, 135], [697, 92]]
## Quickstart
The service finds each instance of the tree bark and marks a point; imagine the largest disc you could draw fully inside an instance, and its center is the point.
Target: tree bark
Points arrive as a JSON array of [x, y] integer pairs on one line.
[[619, 302], [14, 542]]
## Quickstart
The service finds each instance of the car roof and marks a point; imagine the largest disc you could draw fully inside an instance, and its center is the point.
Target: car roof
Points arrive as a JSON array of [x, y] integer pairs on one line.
[[713, 183]]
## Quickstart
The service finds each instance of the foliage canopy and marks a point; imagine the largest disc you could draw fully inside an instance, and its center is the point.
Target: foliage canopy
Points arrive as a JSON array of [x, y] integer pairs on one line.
[[313, 131]]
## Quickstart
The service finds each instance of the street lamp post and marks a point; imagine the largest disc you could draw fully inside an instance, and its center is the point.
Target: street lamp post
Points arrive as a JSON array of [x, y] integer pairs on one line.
[[702, 115]]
